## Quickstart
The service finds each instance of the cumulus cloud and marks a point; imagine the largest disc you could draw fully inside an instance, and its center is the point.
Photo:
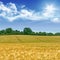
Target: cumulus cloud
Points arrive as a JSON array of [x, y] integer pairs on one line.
[[11, 13], [8, 11], [56, 20]]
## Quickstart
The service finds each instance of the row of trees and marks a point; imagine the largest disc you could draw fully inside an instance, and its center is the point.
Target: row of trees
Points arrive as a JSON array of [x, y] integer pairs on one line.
[[26, 31]]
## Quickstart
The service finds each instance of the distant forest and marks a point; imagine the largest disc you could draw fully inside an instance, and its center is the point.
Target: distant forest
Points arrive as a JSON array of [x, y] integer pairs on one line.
[[26, 31]]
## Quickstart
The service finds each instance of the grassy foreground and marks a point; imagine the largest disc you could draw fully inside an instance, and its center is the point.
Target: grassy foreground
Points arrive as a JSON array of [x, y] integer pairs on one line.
[[20, 47]]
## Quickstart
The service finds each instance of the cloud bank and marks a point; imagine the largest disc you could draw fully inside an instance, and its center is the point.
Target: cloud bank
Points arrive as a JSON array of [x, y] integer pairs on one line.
[[11, 13]]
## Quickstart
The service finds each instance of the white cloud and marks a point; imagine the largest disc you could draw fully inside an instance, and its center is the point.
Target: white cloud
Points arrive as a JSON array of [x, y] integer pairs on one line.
[[31, 15], [23, 6], [11, 13], [56, 20], [49, 11], [4, 8]]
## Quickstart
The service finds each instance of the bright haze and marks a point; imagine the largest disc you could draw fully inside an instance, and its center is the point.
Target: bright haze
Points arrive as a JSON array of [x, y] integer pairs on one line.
[[39, 15]]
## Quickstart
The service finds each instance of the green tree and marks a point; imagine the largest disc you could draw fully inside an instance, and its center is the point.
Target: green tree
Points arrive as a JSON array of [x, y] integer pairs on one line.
[[27, 31], [36, 33], [16, 32], [9, 31], [50, 34], [57, 34], [42, 33], [2, 32]]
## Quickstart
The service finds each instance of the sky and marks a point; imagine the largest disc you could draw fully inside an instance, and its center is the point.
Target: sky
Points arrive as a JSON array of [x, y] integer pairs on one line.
[[39, 15]]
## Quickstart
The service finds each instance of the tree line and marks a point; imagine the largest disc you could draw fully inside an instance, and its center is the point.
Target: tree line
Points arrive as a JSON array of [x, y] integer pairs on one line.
[[26, 31]]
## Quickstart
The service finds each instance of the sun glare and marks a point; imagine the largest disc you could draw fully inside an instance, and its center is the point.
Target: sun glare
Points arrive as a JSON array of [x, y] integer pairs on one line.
[[50, 8]]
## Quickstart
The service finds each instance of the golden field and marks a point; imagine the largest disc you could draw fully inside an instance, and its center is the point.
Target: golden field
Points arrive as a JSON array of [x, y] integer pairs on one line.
[[29, 39], [20, 47]]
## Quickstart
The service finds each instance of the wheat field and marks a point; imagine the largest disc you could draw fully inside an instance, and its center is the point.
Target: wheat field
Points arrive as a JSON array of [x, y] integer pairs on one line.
[[29, 47]]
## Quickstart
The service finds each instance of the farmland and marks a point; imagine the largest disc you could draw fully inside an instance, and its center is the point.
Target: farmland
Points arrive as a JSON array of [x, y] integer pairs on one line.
[[20, 47], [29, 39]]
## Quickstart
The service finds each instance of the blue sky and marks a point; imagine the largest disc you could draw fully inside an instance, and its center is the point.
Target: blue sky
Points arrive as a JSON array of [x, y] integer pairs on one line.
[[39, 15]]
